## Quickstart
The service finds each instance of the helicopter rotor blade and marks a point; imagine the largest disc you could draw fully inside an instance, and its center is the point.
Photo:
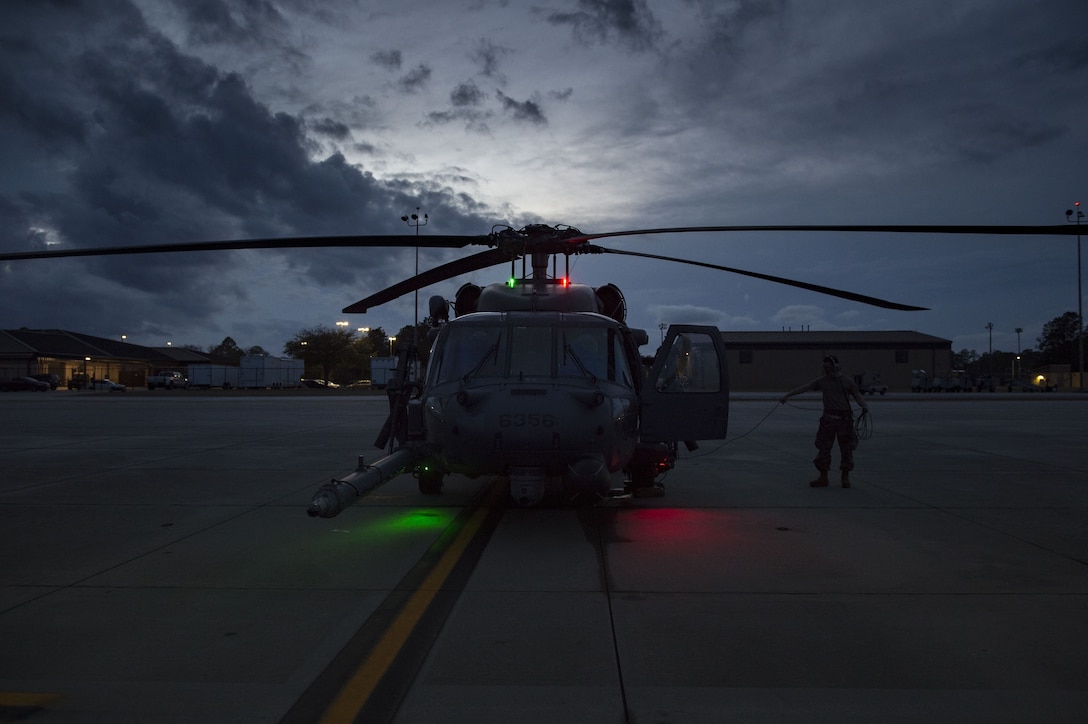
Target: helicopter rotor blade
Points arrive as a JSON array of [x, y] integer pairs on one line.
[[1038, 230], [842, 294], [294, 242], [482, 260]]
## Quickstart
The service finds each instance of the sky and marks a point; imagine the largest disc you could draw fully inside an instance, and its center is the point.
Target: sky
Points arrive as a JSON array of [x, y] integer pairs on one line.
[[157, 121]]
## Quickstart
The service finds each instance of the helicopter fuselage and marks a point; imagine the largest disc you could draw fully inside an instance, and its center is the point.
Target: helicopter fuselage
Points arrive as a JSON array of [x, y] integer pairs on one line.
[[550, 399]]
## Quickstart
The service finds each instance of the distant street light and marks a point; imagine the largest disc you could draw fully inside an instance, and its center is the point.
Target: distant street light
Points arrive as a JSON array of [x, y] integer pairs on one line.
[[1080, 297], [391, 341]]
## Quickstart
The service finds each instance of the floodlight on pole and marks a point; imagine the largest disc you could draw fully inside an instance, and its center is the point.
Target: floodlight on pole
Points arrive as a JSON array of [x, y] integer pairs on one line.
[[415, 221]]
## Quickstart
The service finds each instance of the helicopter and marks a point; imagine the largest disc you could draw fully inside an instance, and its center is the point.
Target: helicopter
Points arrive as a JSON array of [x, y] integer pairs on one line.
[[539, 379]]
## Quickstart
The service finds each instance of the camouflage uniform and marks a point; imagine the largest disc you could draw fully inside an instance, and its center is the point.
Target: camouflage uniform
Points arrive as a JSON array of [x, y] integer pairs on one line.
[[837, 421]]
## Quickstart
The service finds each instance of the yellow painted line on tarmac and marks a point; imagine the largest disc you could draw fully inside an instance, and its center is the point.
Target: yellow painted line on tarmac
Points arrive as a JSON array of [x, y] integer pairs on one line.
[[351, 699]]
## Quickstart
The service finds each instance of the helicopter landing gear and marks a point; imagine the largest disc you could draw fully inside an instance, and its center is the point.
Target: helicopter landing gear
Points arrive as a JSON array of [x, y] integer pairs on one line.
[[430, 479], [641, 483], [649, 463]]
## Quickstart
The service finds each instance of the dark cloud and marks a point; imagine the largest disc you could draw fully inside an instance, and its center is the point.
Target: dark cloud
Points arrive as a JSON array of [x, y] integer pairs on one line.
[[475, 120], [250, 22], [487, 56], [528, 111], [228, 119], [330, 127], [388, 59], [242, 24], [146, 144], [467, 100], [415, 80], [357, 112], [466, 94], [729, 25], [629, 21], [1063, 56]]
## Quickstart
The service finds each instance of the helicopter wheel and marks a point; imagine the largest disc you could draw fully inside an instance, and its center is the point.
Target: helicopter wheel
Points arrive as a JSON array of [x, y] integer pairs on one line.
[[430, 481], [641, 483]]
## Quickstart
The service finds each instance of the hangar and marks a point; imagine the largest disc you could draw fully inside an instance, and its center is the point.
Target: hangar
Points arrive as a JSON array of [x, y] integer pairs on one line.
[[72, 356], [765, 361]]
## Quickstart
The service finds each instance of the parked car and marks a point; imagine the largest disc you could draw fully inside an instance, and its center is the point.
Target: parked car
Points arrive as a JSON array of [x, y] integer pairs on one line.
[[51, 380], [108, 385], [870, 384], [19, 384], [78, 381], [168, 379], [320, 384]]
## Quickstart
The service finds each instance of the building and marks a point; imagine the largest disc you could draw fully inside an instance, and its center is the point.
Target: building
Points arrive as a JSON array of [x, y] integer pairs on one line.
[[780, 361], [72, 356], [758, 361], [76, 358]]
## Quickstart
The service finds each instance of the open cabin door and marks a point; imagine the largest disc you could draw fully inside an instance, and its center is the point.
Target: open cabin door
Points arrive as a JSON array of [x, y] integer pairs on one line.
[[687, 394]]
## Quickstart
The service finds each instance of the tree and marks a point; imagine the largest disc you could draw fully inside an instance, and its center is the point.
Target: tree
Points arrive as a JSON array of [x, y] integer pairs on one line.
[[965, 359], [377, 343], [227, 350], [257, 351], [322, 348], [1058, 345]]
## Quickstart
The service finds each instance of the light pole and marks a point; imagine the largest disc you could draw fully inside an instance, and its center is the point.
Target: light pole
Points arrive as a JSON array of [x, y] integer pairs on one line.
[[1018, 331], [1080, 297], [990, 359], [414, 220], [391, 341]]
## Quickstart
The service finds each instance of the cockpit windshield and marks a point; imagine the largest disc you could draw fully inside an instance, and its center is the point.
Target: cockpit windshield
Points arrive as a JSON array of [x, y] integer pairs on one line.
[[471, 351], [532, 352]]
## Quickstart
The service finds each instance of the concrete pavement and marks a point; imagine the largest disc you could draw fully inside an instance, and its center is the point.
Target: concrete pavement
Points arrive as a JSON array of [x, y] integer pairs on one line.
[[158, 565]]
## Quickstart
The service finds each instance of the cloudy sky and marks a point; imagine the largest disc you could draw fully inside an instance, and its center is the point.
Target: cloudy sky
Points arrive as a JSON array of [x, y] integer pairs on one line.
[[156, 121]]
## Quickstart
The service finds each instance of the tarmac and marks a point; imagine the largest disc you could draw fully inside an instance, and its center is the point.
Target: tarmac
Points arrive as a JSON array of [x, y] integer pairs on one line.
[[158, 566]]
